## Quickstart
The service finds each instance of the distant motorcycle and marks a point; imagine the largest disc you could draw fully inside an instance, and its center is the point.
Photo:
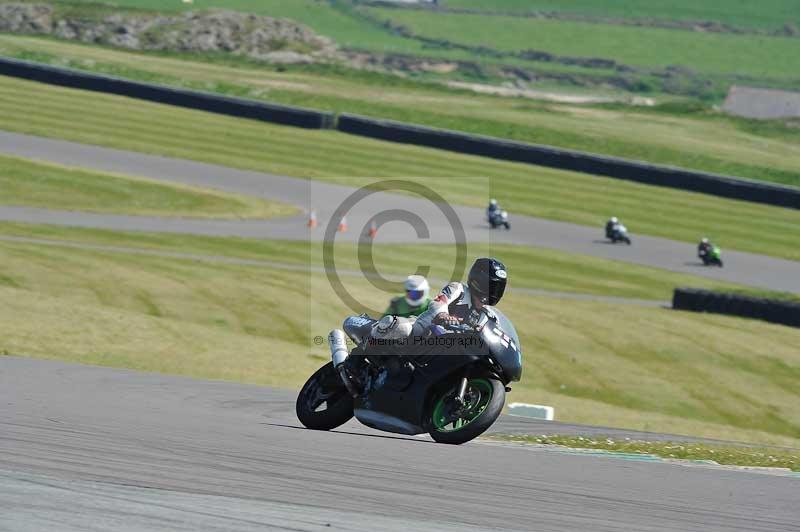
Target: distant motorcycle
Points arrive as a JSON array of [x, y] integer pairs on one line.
[[711, 257], [453, 393], [499, 219], [619, 233]]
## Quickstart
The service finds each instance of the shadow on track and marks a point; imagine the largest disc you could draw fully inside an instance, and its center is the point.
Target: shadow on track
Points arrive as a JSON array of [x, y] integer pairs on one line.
[[391, 437]]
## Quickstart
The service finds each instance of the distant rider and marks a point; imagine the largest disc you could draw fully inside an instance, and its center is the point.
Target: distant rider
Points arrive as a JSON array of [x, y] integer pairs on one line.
[[704, 248], [611, 226], [492, 209], [416, 300]]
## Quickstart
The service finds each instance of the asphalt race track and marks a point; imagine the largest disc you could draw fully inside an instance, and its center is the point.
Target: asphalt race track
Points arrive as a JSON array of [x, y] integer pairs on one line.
[[150, 452], [743, 268]]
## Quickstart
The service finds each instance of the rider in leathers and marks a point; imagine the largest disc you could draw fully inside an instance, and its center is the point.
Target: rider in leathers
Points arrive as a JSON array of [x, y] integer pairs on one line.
[[458, 303]]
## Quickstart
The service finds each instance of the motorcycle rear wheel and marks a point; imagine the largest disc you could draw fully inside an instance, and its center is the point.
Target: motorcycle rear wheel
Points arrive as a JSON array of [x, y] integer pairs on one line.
[[454, 424], [324, 386]]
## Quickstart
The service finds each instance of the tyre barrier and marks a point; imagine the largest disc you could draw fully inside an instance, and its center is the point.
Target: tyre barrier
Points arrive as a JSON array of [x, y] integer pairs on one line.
[[588, 163], [389, 130], [213, 103], [771, 310]]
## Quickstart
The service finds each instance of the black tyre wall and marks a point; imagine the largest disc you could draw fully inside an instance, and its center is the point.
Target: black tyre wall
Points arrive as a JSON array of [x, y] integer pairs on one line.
[[771, 310]]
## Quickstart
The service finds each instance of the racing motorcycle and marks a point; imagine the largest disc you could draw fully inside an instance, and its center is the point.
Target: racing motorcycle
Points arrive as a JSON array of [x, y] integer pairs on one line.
[[451, 386], [712, 257], [619, 233], [499, 219]]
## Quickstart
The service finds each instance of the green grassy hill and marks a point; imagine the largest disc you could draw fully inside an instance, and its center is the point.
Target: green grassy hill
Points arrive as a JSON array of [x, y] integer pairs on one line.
[[752, 56], [707, 62], [768, 14]]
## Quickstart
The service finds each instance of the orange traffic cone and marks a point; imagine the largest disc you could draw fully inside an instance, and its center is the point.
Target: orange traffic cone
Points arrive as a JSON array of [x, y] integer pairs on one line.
[[312, 220], [373, 230], [343, 225]]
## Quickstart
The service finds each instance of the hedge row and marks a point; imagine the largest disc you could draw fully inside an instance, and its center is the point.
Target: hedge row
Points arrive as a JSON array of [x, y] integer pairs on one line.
[[771, 310]]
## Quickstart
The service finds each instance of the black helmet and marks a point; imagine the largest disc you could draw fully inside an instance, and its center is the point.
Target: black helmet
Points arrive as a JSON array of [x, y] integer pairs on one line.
[[487, 280]]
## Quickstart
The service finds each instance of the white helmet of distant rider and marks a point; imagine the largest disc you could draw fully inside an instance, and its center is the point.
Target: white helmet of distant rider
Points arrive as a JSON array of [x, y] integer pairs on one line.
[[417, 290]]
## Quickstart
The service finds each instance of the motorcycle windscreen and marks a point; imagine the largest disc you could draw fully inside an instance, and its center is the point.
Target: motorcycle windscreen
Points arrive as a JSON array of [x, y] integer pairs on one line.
[[503, 342]]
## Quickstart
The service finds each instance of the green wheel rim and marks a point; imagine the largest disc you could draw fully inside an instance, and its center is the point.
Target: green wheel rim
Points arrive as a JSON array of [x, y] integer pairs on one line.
[[477, 398]]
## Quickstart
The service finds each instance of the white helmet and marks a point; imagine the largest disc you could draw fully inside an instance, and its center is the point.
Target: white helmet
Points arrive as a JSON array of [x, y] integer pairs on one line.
[[704, 240], [614, 220], [493, 202], [417, 290]]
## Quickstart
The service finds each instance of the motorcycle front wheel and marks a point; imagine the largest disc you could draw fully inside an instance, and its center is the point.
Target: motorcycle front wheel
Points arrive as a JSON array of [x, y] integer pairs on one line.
[[324, 403], [454, 423]]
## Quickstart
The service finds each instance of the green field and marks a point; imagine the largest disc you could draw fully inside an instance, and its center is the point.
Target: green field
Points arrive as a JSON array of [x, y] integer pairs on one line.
[[701, 140], [597, 363], [718, 60], [754, 56], [35, 184], [111, 121], [769, 14]]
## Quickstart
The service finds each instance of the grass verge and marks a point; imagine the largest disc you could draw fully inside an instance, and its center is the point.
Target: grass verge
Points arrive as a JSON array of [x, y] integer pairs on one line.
[[531, 267], [721, 454], [80, 116], [35, 184]]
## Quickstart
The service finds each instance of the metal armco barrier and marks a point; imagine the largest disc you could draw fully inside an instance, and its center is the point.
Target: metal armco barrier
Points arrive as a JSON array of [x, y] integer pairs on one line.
[[771, 310], [665, 176], [214, 103]]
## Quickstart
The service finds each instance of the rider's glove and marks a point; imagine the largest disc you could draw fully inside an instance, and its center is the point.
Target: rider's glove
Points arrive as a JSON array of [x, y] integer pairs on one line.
[[446, 320]]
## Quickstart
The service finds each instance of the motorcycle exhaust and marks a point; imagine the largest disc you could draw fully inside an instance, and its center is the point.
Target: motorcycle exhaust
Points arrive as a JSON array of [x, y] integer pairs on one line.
[[339, 353], [338, 345]]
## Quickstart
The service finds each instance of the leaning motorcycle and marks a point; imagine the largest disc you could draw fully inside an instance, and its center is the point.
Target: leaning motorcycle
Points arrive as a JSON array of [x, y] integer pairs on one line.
[[712, 257], [451, 386], [619, 233], [499, 219]]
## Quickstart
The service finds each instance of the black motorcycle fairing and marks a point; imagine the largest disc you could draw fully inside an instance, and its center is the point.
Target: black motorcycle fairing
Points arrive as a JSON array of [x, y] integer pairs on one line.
[[405, 412], [500, 336], [399, 381]]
